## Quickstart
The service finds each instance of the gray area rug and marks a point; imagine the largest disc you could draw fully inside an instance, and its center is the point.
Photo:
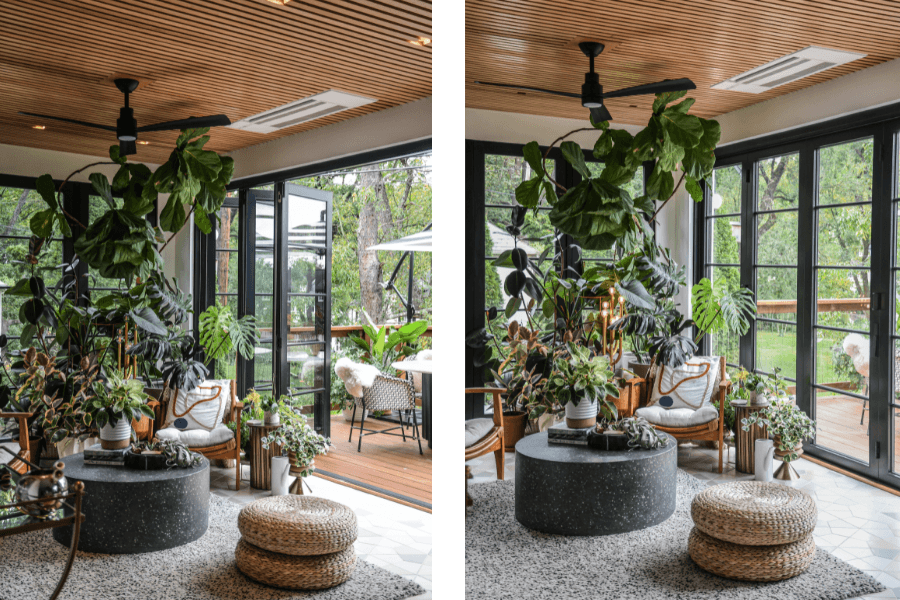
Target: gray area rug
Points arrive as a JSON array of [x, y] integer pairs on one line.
[[203, 570], [506, 560]]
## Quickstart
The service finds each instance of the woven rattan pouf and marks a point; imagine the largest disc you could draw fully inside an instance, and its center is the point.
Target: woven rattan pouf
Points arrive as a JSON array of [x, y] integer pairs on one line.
[[753, 531], [751, 563], [295, 572], [296, 542], [298, 525], [753, 513]]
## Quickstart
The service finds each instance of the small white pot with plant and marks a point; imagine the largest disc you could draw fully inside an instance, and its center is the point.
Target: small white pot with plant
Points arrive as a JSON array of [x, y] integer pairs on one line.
[[270, 407], [582, 384], [300, 442], [116, 403]]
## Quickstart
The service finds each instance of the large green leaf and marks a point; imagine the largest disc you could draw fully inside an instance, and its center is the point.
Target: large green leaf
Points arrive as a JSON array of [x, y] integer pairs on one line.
[[528, 193], [45, 187], [683, 130], [575, 156], [532, 153], [41, 223], [635, 294], [172, 217], [101, 185]]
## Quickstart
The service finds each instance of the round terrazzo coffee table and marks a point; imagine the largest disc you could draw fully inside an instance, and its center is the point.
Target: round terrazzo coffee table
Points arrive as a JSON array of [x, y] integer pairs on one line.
[[575, 490], [129, 511]]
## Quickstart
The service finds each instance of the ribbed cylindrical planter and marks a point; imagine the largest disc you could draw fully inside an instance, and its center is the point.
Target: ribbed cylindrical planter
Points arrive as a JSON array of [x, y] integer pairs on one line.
[[745, 440], [115, 438], [581, 415], [260, 458], [514, 422]]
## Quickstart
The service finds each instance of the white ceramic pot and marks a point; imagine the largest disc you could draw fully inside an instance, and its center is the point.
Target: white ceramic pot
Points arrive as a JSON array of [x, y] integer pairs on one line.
[[116, 437], [583, 414], [281, 468], [763, 453], [272, 418]]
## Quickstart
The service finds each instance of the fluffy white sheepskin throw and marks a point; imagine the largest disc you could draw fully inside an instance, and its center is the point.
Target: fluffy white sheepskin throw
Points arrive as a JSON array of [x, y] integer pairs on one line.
[[857, 348], [355, 376], [417, 377]]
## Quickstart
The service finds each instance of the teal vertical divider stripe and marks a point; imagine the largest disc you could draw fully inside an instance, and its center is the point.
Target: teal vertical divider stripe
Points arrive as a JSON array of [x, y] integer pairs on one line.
[[448, 135]]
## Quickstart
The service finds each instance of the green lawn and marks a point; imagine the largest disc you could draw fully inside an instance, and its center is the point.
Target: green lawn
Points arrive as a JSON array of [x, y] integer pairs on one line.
[[780, 350]]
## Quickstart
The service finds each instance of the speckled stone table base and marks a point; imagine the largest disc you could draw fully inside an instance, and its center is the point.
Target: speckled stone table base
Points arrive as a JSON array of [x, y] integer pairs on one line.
[[129, 511], [574, 490]]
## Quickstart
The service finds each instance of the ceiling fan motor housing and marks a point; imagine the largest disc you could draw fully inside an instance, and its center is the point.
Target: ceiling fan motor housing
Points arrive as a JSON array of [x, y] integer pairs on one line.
[[591, 91], [126, 125]]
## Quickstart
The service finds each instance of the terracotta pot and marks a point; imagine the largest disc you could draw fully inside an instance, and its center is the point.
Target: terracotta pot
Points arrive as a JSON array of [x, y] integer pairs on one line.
[[639, 369], [514, 422]]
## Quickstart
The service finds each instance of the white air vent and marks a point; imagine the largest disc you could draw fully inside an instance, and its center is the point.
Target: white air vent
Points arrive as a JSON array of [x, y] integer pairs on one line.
[[787, 69], [301, 111]]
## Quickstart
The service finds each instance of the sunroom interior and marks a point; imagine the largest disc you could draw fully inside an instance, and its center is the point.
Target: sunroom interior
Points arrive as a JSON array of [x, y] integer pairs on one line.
[[800, 208], [327, 119]]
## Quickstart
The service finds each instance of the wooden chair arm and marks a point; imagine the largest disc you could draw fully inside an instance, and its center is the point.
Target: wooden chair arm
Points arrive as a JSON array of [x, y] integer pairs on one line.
[[498, 403]]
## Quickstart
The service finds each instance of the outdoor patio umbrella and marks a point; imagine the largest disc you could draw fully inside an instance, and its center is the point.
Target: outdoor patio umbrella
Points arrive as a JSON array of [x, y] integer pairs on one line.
[[417, 242]]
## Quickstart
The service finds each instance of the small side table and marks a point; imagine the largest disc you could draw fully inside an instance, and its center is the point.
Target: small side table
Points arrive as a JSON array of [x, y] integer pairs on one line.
[[745, 441], [261, 459]]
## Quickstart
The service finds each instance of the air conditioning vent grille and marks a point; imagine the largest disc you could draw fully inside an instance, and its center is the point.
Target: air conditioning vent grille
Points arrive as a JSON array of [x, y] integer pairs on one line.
[[787, 69], [301, 111]]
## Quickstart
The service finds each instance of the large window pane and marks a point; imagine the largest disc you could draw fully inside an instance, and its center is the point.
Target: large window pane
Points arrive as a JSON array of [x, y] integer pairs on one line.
[[726, 240], [776, 293], [838, 424], [776, 346], [726, 190], [842, 360], [845, 173], [776, 235], [777, 182], [843, 298], [501, 176], [722, 344], [845, 236], [536, 234]]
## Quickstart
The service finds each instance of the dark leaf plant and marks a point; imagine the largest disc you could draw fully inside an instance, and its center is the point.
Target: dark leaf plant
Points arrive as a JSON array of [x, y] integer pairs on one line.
[[118, 398]]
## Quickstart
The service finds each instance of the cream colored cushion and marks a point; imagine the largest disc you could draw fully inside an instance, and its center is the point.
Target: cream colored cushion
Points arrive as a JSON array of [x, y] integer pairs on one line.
[[204, 407], [197, 438], [690, 386], [476, 429], [677, 417]]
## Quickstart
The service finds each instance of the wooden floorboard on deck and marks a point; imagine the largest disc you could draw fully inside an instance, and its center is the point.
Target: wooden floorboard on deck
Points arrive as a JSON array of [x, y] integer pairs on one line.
[[387, 466]]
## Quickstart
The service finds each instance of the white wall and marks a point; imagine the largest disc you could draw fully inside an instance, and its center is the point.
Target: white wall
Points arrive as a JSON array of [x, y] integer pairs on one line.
[[34, 162], [513, 128], [391, 127]]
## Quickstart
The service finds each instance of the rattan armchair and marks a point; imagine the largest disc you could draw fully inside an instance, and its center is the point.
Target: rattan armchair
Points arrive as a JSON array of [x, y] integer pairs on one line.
[[227, 450], [493, 440], [25, 449], [387, 393]]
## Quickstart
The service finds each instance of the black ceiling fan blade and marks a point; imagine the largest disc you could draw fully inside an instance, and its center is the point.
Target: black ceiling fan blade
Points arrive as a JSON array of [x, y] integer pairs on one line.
[[668, 85], [84, 123], [127, 147], [600, 114], [189, 123], [529, 89]]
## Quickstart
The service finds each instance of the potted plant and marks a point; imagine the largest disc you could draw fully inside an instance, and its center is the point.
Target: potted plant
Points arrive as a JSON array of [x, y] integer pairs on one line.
[[270, 408], [789, 427], [301, 443], [582, 384], [116, 403], [160, 454]]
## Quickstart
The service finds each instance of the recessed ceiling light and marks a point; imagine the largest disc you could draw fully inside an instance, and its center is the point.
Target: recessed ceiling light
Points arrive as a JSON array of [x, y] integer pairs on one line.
[[39, 127], [422, 41], [143, 143]]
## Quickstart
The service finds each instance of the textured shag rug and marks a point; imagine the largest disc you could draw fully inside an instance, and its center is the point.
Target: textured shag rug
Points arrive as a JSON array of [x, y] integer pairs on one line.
[[31, 564], [506, 560]]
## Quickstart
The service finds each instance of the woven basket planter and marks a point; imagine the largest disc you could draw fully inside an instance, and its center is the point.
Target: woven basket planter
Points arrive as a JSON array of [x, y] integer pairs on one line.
[[751, 563], [294, 572], [753, 513], [298, 525]]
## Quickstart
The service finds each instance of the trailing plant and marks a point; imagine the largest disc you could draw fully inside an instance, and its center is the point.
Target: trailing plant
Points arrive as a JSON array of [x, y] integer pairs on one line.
[[118, 398], [786, 423], [221, 333], [640, 432], [385, 346], [716, 310], [176, 453], [296, 437], [577, 376]]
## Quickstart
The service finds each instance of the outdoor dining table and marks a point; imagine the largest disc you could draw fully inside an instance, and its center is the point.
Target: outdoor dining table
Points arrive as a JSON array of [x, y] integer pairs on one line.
[[424, 367]]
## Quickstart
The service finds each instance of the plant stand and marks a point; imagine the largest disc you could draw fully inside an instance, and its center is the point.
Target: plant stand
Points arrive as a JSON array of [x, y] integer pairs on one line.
[[745, 441], [260, 458]]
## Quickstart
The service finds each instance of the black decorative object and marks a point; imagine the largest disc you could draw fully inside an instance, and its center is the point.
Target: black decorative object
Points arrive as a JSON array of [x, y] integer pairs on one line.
[[573, 490], [138, 511], [611, 442], [146, 461]]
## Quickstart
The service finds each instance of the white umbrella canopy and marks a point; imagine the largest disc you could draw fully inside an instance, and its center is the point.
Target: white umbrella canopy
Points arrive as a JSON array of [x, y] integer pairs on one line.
[[417, 242]]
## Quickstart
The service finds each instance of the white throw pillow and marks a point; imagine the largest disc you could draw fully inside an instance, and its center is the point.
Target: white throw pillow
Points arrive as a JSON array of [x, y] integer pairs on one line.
[[197, 438], [689, 386], [476, 429], [677, 417], [204, 407]]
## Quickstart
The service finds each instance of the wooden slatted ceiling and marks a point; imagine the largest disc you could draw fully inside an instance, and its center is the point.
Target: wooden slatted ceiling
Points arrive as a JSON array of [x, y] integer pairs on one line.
[[532, 43], [200, 57]]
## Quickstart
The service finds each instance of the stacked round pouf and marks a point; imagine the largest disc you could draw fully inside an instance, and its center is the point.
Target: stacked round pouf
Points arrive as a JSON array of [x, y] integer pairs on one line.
[[296, 542], [753, 531]]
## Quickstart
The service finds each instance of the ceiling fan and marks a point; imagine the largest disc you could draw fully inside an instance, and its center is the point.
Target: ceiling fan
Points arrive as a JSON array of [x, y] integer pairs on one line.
[[592, 95], [126, 125]]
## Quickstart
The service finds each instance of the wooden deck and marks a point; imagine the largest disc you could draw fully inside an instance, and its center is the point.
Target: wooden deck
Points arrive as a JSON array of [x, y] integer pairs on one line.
[[386, 467], [838, 428]]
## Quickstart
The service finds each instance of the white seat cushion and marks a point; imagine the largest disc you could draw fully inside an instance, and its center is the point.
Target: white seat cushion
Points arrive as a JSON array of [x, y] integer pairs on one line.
[[197, 438], [677, 417], [476, 429]]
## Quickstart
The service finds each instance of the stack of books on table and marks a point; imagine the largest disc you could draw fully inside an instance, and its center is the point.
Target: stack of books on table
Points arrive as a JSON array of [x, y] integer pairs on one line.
[[96, 455], [561, 434]]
